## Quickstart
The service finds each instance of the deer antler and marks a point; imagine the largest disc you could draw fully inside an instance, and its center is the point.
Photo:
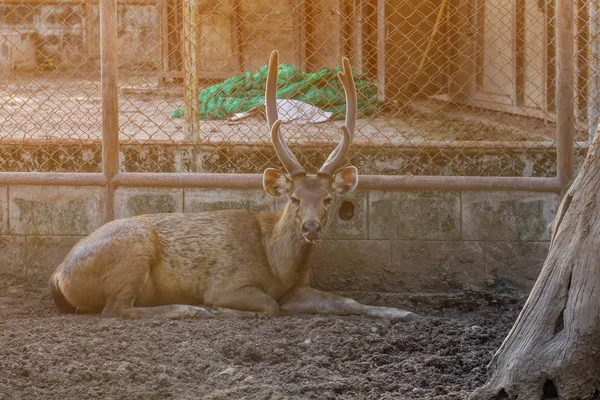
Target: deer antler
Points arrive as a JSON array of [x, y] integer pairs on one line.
[[336, 158], [289, 161]]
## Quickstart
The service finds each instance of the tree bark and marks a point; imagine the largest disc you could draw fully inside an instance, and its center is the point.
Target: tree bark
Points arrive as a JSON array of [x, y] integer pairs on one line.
[[553, 349]]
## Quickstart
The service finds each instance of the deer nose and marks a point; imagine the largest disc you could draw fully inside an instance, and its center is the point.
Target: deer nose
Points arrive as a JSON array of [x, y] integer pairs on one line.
[[311, 230]]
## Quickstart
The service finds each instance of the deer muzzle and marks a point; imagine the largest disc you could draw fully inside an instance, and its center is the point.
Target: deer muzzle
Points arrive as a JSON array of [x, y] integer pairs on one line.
[[311, 231]]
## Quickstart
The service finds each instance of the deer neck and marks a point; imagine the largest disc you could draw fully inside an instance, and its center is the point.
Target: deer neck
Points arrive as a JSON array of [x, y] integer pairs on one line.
[[287, 250]]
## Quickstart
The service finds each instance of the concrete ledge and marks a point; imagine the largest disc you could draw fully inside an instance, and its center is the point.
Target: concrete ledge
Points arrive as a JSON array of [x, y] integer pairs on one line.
[[224, 158]]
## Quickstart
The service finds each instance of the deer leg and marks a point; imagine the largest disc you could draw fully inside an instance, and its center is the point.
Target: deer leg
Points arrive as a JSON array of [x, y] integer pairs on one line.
[[306, 300], [172, 311], [230, 312], [241, 304], [121, 304], [124, 284], [245, 299]]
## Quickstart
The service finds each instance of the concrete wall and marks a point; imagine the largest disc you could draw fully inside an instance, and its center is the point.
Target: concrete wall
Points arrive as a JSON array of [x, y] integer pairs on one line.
[[419, 242], [247, 160], [56, 37]]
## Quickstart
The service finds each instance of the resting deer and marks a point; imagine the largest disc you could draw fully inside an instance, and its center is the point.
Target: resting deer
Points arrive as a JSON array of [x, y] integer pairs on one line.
[[230, 262]]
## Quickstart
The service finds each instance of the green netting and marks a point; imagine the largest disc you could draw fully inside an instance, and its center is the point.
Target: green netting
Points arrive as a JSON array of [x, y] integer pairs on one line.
[[322, 89]]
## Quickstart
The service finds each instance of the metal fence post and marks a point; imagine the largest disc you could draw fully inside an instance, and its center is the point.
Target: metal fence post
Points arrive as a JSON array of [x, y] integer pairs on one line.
[[381, 40], [565, 89], [110, 100], [191, 86], [594, 105]]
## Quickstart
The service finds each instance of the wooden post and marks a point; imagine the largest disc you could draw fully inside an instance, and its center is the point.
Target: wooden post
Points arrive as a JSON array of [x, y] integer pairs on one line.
[[381, 33], [162, 11], [110, 100], [238, 39], [88, 32], [300, 20], [191, 17], [357, 42], [565, 89]]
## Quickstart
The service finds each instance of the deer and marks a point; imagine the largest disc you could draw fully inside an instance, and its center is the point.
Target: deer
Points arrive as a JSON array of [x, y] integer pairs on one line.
[[226, 262]]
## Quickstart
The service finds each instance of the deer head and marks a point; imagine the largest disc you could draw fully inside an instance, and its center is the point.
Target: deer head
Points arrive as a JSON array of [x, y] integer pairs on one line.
[[310, 195]]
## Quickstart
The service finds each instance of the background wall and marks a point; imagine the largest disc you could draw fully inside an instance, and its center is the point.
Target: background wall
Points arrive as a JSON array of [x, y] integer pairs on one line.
[[56, 36], [384, 241]]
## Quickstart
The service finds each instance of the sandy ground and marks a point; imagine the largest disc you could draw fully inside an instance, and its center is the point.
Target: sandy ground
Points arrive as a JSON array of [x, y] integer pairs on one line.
[[44, 355], [34, 106]]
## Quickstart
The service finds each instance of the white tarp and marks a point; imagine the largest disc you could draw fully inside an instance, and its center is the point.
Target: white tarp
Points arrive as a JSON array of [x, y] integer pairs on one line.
[[289, 110]]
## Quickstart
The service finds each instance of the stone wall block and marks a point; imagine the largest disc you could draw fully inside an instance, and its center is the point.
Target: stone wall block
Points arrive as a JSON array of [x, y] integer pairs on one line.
[[137, 201], [198, 200], [434, 266], [508, 216], [514, 265], [414, 215], [346, 265], [55, 210]]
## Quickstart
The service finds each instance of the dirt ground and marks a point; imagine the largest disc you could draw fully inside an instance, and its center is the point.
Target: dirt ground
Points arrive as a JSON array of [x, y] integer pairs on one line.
[[44, 355], [68, 107]]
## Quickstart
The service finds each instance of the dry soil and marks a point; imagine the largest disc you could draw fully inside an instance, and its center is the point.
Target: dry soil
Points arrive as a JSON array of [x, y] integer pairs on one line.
[[45, 355]]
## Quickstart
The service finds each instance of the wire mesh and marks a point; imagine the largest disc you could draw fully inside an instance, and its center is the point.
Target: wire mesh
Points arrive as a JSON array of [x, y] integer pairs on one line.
[[587, 72], [49, 87], [447, 87]]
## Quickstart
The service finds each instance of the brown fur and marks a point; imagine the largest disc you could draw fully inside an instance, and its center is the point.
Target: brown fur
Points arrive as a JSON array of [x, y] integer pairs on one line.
[[59, 299], [194, 259]]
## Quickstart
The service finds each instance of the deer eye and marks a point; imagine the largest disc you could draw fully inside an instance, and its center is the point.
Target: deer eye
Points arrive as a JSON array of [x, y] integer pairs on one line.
[[327, 201], [295, 201]]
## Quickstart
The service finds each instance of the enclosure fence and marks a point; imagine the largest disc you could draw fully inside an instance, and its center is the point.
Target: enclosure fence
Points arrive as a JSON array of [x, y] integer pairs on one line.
[[453, 94]]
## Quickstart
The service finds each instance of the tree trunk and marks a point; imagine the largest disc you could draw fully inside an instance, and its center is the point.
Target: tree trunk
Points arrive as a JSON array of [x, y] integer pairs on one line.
[[553, 349]]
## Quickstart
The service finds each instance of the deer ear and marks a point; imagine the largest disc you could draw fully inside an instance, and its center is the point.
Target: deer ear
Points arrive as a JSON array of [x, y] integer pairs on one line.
[[345, 180], [275, 182]]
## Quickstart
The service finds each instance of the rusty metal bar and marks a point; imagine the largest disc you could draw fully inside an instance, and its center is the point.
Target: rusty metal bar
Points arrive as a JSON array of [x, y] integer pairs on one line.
[[110, 100], [565, 92], [182, 180], [52, 179], [375, 182], [254, 181], [77, 2], [466, 183]]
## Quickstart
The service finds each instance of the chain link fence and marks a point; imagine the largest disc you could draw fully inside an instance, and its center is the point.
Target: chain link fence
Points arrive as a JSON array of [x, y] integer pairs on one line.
[[49, 88], [587, 68], [446, 87]]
